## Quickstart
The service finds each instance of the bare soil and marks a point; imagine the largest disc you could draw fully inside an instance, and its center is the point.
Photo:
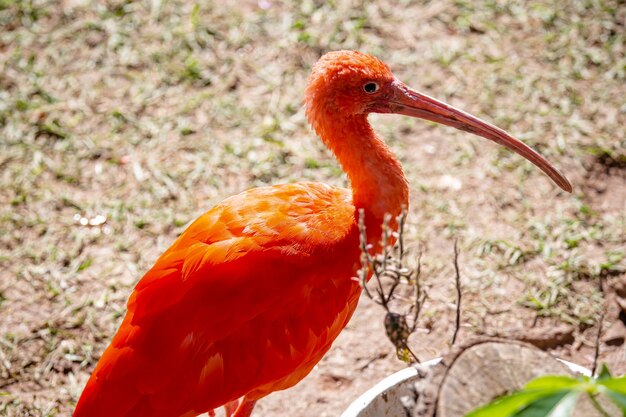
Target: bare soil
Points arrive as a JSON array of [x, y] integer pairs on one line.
[[121, 121]]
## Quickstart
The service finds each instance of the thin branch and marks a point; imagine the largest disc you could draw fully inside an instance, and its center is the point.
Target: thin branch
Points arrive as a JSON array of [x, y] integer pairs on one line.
[[366, 259], [396, 275], [401, 220], [419, 298], [386, 268], [596, 353], [408, 349], [384, 240], [458, 291]]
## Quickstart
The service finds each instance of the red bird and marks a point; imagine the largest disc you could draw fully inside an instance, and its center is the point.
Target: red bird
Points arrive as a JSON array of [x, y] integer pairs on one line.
[[252, 295]]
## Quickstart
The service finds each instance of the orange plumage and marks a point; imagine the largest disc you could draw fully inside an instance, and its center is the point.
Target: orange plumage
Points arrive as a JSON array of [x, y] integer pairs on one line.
[[249, 298]]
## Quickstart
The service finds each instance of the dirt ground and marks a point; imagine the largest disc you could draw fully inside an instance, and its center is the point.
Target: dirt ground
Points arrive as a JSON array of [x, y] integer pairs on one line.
[[122, 121]]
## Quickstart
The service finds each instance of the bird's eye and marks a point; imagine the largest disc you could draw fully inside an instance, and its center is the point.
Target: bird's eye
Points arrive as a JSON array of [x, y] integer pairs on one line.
[[370, 87]]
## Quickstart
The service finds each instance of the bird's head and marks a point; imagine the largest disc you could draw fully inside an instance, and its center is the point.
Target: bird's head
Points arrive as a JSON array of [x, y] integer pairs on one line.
[[349, 83]]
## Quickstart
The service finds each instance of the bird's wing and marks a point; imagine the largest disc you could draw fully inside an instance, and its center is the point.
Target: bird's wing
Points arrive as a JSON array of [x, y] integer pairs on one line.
[[289, 221], [241, 258]]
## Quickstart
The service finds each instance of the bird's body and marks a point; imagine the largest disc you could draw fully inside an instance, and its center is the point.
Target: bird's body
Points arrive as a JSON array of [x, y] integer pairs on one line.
[[245, 302], [251, 296]]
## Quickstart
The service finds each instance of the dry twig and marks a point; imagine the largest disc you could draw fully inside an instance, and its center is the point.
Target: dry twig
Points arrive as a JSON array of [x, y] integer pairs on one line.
[[458, 291], [599, 334], [390, 272]]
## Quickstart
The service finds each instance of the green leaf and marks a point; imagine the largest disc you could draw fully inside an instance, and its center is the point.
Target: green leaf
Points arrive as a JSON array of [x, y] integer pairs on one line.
[[614, 388], [509, 405], [618, 398], [604, 373], [566, 406], [549, 406], [85, 264], [195, 13], [614, 384], [549, 396], [552, 382]]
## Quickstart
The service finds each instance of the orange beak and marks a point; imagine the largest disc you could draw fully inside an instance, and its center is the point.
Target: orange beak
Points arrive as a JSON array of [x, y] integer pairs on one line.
[[409, 102]]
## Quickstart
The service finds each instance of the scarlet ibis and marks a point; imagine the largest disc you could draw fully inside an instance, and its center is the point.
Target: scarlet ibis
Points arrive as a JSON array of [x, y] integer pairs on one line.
[[252, 295]]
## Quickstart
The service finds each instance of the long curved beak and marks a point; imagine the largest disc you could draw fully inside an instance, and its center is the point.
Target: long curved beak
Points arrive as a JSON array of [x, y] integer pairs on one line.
[[411, 103]]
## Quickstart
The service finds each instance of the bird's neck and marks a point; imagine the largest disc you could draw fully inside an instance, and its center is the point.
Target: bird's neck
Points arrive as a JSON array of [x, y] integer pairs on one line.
[[378, 183]]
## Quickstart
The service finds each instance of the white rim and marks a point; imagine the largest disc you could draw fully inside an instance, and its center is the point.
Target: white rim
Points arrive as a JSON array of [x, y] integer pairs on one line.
[[394, 379], [397, 378], [575, 368]]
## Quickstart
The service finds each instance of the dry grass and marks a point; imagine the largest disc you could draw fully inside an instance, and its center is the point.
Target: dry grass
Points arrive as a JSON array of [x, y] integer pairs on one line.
[[138, 116]]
